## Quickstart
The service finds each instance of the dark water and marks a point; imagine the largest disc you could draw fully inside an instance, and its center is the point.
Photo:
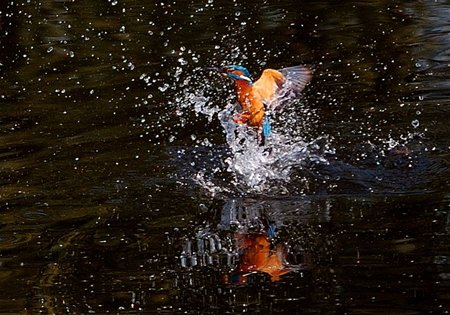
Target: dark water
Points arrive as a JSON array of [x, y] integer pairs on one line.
[[119, 192]]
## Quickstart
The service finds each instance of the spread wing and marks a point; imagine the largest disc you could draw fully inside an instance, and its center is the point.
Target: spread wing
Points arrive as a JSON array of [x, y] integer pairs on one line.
[[269, 84], [278, 87]]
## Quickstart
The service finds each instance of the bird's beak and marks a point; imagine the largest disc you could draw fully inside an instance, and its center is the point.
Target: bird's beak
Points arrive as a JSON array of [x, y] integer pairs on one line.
[[213, 69]]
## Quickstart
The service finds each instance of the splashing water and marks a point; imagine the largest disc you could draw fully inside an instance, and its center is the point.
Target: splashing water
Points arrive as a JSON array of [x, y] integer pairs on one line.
[[259, 168], [255, 168]]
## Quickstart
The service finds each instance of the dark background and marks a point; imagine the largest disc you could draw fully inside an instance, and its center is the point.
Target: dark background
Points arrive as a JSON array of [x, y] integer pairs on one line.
[[107, 123]]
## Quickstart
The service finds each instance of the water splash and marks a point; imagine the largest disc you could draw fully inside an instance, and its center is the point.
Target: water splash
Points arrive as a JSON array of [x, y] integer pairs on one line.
[[255, 168], [261, 168]]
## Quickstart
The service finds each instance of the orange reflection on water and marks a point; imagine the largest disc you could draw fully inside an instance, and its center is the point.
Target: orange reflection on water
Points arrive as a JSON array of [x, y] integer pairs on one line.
[[258, 256]]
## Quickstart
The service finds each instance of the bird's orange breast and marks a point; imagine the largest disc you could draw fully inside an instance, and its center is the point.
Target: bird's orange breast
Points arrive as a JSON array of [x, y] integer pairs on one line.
[[250, 103]]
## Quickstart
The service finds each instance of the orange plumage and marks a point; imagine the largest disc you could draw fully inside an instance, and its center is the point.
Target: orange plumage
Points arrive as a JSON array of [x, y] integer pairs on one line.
[[257, 256], [273, 89], [252, 107]]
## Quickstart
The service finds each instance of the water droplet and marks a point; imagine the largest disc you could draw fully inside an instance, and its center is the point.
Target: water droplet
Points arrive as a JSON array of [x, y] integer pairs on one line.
[[49, 49], [182, 61], [164, 87], [415, 123]]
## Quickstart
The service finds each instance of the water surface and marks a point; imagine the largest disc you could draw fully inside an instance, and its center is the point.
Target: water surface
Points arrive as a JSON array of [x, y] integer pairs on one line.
[[125, 188]]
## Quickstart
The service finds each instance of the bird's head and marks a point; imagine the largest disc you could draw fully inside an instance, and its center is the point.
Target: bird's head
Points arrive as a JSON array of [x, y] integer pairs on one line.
[[235, 72]]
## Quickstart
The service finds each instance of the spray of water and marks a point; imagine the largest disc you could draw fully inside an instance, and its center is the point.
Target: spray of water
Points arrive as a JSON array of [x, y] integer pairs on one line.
[[255, 168]]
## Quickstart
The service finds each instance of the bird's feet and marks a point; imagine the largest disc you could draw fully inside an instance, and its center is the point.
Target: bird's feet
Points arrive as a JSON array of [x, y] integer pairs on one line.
[[242, 118]]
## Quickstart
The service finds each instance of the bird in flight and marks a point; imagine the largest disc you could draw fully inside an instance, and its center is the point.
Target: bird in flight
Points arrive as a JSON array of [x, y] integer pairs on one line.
[[273, 90]]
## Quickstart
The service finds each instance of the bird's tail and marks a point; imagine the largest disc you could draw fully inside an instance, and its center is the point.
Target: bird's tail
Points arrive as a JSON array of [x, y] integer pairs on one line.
[[266, 129]]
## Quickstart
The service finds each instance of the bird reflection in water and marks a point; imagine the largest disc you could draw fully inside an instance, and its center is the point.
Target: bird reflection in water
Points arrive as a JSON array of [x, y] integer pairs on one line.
[[243, 244], [256, 255]]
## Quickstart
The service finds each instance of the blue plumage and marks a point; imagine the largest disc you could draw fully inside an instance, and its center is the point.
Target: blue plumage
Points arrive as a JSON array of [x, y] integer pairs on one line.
[[267, 129], [240, 68]]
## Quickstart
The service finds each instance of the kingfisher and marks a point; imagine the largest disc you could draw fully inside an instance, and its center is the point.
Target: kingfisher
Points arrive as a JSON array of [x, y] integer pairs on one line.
[[270, 92]]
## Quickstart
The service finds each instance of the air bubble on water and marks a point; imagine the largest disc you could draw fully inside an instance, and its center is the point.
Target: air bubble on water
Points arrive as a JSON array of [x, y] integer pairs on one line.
[[415, 123], [49, 49], [71, 54]]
